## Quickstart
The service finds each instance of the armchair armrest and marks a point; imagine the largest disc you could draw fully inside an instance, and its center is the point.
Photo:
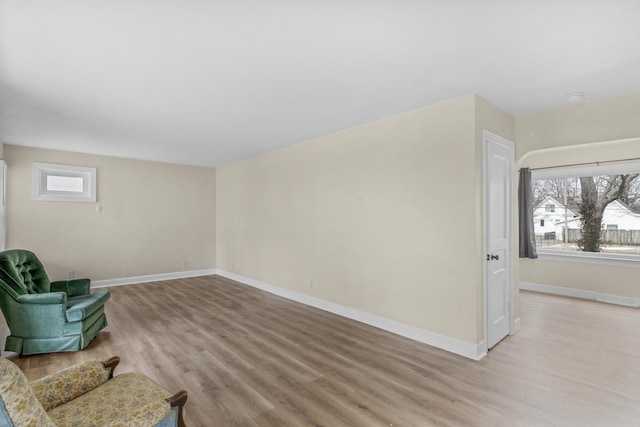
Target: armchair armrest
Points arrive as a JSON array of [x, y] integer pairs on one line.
[[49, 309], [47, 298], [73, 288], [64, 386], [165, 412]]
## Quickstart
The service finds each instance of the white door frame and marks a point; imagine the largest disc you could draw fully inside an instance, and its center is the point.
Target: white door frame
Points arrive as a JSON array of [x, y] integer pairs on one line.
[[486, 137], [3, 205]]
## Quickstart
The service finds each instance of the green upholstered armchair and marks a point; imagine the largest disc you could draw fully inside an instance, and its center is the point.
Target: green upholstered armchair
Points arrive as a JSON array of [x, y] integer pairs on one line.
[[86, 395], [44, 316]]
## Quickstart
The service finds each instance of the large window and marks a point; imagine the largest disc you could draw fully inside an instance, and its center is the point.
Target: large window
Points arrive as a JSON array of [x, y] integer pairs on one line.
[[590, 211]]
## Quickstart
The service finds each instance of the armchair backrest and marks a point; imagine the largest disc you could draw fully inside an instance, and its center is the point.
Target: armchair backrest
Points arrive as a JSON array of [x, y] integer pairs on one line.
[[8, 296], [19, 404], [25, 271], [9, 287]]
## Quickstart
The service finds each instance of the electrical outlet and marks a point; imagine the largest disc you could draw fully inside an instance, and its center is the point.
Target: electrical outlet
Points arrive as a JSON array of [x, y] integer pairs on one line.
[[71, 274], [311, 284], [185, 264]]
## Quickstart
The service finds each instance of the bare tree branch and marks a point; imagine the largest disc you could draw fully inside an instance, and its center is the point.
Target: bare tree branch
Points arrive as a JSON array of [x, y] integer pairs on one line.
[[594, 203]]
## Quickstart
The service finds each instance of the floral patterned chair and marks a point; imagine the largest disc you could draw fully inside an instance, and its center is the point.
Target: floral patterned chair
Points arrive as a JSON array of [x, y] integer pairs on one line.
[[86, 395]]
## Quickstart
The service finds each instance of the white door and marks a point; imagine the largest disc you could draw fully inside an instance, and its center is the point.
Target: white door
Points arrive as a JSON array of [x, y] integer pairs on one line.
[[498, 237]]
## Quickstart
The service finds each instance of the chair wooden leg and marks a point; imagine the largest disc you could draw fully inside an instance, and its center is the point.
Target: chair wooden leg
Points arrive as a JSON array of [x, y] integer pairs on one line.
[[111, 363], [179, 399]]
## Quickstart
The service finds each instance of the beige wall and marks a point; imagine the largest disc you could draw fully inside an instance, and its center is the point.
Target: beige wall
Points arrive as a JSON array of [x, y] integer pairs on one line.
[[154, 216], [385, 218], [380, 218], [587, 132], [598, 121]]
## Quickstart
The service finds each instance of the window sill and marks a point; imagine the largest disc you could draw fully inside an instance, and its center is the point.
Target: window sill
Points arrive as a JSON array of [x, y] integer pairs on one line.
[[612, 260]]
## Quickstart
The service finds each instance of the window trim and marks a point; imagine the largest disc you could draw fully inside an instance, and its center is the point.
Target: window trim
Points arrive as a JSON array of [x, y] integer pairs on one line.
[[597, 258], [42, 170], [608, 168]]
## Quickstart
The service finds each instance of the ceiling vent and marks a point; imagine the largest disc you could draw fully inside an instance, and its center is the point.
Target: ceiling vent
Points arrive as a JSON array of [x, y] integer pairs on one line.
[[575, 97]]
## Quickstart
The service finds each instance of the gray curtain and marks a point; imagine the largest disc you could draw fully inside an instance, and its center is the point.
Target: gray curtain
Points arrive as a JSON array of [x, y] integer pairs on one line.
[[525, 216]]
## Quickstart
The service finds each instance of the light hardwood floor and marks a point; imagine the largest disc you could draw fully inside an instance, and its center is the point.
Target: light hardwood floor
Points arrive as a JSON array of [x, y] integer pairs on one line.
[[248, 358]]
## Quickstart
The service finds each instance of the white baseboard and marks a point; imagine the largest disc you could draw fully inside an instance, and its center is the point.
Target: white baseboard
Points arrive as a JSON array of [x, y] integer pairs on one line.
[[516, 326], [481, 351], [453, 345], [558, 290], [152, 278], [614, 299], [580, 293]]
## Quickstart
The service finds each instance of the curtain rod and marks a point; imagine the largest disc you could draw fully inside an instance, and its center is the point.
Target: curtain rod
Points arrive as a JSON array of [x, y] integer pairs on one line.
[[585, 164]]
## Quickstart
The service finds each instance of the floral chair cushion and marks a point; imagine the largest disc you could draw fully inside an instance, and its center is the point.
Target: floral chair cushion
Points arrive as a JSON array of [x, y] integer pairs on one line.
[[134, 400]]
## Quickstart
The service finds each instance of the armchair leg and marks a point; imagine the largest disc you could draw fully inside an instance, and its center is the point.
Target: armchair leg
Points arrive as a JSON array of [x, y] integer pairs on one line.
[[111, 364], [179, 399]]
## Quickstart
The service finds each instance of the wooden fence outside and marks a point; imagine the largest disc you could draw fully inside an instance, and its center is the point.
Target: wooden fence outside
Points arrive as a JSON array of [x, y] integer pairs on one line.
[[612, 237]]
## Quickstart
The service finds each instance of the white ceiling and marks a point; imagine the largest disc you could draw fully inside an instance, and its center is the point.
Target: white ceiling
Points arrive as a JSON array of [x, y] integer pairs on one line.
[[210, 82]]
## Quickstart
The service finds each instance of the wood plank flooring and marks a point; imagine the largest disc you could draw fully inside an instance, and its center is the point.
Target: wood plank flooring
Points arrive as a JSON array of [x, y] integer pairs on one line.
[[249, 358]]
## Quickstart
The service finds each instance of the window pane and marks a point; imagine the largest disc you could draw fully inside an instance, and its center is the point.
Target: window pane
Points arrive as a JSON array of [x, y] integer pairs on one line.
[[598, 213], [65, 183]]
